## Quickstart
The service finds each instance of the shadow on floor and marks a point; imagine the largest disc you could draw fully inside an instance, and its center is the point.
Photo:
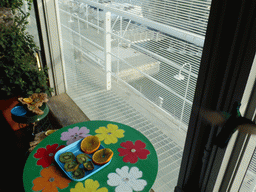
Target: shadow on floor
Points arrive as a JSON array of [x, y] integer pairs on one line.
[[14, 147]]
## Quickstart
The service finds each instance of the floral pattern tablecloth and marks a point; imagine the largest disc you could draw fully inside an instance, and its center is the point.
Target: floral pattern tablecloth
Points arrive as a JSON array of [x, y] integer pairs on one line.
[[133, 167]]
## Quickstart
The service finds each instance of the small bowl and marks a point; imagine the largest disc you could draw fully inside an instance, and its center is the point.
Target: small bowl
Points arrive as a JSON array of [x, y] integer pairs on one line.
[[49, 132], [19, 111]]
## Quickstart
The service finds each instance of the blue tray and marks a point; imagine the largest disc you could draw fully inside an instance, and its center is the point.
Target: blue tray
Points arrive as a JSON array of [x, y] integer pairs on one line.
[[75, 149], [19, 111]]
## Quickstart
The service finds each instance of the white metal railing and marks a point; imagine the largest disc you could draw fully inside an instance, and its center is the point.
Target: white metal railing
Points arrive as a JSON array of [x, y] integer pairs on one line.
[[112, 51], [163, 59], [120, 10], [179, 33], [127, 41]]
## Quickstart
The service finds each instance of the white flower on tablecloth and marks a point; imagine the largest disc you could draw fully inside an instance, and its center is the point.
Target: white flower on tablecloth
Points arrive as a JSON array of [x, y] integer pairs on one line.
[[127, 181]]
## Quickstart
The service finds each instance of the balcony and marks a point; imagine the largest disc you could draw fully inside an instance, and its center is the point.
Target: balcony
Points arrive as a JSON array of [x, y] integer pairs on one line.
[[123, 61]]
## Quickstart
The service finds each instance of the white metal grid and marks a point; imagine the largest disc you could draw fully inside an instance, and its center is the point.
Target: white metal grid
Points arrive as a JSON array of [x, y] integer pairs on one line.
[[153, 70], [100, 104], [189, 15], [139, 68], [158, 63], [249, 181]]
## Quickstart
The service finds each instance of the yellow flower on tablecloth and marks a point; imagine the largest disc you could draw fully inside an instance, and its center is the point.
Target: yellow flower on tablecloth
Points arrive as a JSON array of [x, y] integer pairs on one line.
[[109, 134], [89, 186]]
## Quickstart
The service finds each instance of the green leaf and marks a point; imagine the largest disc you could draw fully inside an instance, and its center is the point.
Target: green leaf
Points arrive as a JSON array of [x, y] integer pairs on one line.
[[38, 90]]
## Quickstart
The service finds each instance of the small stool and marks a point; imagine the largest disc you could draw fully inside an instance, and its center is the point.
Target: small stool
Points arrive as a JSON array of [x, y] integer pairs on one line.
[[23, 116]]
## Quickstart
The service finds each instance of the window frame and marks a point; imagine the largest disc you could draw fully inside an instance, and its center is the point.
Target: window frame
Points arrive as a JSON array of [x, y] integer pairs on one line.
[[225, 66], [50, 43], [230, 33]]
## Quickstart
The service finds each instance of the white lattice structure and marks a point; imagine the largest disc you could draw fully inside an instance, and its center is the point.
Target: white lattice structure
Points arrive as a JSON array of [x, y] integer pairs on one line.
[[136, 62]]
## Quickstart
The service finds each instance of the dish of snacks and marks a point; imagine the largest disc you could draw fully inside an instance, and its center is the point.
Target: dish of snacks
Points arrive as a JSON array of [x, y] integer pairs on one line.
[[34, 101], [83, 158]]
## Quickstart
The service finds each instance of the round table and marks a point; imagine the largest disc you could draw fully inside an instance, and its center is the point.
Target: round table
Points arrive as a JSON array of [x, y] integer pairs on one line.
[[133, 167]]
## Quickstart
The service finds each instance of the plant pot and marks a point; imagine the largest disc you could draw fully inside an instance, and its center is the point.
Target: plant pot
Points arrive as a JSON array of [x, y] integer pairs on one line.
[[6, 106], [31, 117]]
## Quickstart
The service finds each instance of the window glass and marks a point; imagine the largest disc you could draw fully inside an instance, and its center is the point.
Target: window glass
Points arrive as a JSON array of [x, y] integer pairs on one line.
[[136, 62]]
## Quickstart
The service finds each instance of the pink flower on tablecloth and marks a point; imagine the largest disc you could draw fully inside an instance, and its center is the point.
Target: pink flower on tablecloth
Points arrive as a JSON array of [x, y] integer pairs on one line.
[[133, 152], [46, 155], [74, 134]]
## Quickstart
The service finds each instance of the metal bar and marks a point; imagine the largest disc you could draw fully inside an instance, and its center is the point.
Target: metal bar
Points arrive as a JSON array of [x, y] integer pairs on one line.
[[80, 36], [114, 23], [121, 26], [87, 15], [107, 46], [127, 27], [98, 19], [185, 96]]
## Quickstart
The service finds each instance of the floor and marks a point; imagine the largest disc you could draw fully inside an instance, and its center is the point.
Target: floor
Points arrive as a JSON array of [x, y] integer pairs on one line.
[[86, 88], [16, 152]]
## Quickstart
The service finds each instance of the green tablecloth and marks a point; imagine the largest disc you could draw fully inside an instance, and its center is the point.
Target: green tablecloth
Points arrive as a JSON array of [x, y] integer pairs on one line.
[[133, 167]]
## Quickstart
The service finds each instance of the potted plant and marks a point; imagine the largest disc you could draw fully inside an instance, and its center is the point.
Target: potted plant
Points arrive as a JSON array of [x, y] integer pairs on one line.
[[19, 74], [12, 4]]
